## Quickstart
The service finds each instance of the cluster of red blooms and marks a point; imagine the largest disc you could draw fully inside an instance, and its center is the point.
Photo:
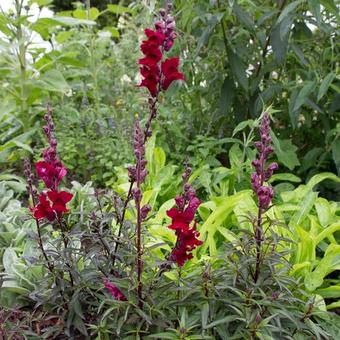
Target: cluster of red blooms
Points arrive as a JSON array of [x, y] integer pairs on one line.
[[52, 204], [158, 74], [182, 216], [114, 291]]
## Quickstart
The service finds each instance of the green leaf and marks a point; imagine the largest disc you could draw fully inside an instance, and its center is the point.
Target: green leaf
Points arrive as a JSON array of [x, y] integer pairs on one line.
[[285, 151], [336, 154], [238, 69], [306, 90], [288, 9], [314, 6], [326, 82], [330, 6], [321, 177], [54, 81], [243, 17], [304, 208], [279, 41], [9, 259], [329, 263], [241, 126], [227, 95], [117, 9], [113, 30], [285, 177]]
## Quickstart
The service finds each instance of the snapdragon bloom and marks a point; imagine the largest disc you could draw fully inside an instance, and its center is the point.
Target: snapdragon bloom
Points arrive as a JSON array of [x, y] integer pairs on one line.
[[52, 203], [114, 290], [265, 193], [182, 216], [158, 74]]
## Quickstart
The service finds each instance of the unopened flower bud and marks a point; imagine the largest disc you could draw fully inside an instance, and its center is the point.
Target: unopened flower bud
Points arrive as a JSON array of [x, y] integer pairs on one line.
[[137, 194], [145, 211], [258, 318], [162, 12]]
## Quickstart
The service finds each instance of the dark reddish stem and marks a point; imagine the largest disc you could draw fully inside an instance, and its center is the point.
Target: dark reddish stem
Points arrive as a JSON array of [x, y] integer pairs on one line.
[[258, 230]]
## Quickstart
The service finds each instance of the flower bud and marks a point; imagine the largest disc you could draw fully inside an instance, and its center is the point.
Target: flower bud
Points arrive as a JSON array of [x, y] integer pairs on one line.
[[162, 12], [137, 194], [145, 211]]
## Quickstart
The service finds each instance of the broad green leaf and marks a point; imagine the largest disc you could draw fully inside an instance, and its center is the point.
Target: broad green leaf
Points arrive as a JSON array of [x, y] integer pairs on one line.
[[227, 95], [285, 151], [92, 14], [314, 6], [330, 230], [324, 211], [336, 154], [224, 207], [331, 292], [54, 81], [40, 3], [288, 9], [9, 260], [113, 30], [304, 208], [243, 17], [279, 41], [117, 9], [238, 69], [241, 126], [326, 82], [321, 177], [285, 177], [306, 90], [329, 263]]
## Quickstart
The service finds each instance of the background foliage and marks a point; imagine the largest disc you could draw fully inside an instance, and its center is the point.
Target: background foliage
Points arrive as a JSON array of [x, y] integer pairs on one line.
[[240, 58]]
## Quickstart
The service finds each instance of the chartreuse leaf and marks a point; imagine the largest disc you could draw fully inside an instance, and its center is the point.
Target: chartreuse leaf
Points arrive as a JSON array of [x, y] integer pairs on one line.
[[304, 208], [328, 232], [117, 9], [224, 207], [329, 292], [329, 263], [321, 177]]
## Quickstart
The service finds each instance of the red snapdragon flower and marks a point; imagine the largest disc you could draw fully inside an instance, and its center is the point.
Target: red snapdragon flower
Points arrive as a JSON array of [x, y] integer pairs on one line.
[[186, 242], [114, 291], [158, 75], [187, 238], [170, 72], [182, 219], [43, 209], [51, 174], [59, 201], [151, 76], [54, 206]]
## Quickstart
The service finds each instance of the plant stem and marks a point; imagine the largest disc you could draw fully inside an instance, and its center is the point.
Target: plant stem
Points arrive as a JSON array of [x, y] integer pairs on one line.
[[21, 54], [121, 221], [258, 229], [40, 241], [65, 240], [139, 237]]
